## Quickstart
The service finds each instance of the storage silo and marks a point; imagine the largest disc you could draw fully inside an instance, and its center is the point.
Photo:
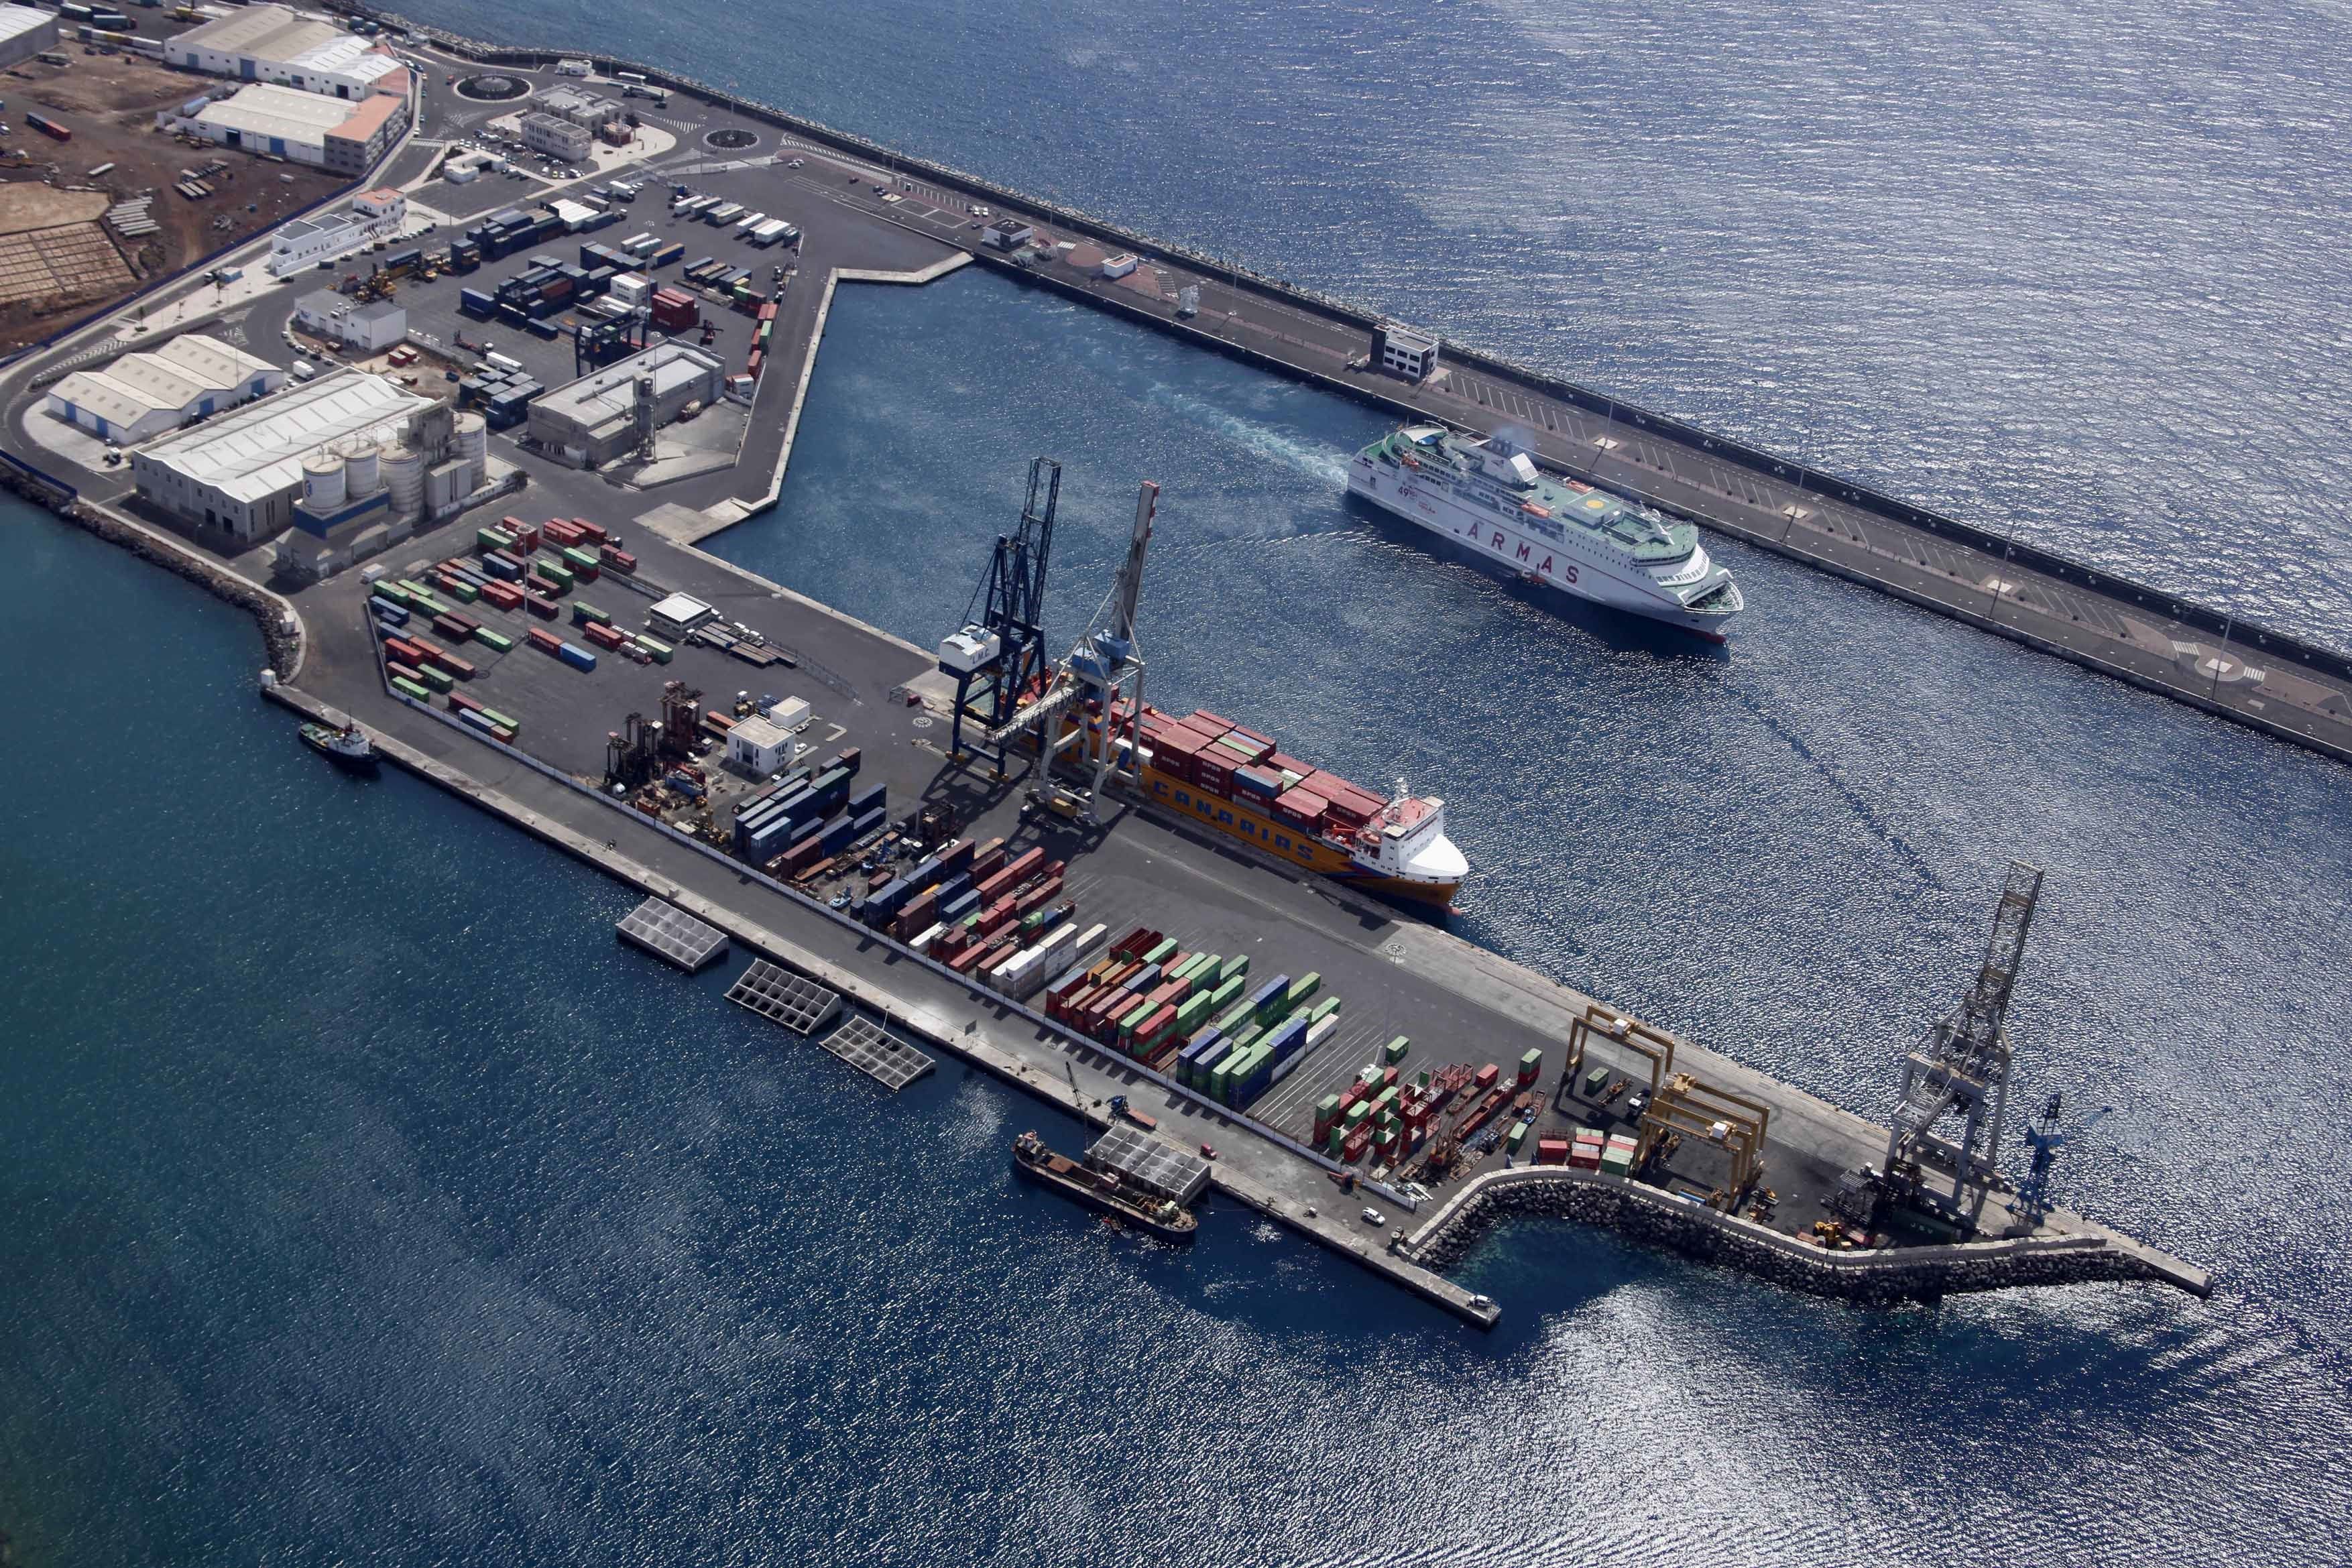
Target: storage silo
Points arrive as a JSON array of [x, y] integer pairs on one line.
[[362, 466], [322, 482], [473, 449], [403, 477]]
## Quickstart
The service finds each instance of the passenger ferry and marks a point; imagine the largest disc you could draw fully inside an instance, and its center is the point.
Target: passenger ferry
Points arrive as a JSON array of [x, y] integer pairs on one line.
[[1490, 496]]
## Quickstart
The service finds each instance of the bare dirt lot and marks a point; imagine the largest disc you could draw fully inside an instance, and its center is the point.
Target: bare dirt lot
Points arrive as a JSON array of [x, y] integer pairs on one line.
[[56, 264]]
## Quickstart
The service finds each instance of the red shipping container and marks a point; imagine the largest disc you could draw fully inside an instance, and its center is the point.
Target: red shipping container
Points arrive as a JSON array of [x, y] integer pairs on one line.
[[991, 856], [604, 636], [1207, 723], [454, 665], [1356, 1143], [1487, 1076], [713, 719], [506, 596], [461, 701], [403, 672], [1551, 1151], [966, 961], [594, 533], [1139, 940], [545, 641], [620, 560], [539, 604], [451, 629], [1038, 897], [956, 857]]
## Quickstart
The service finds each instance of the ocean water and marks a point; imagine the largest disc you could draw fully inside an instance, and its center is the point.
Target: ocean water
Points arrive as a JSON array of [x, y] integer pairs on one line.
[[365, 1202]]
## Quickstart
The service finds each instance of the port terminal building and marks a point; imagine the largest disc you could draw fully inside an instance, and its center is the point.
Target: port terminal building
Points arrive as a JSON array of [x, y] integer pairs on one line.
[[590, 422], [301, 127], [26, 31], [306, 242], [146, 394], [368, 325], [271, 44]]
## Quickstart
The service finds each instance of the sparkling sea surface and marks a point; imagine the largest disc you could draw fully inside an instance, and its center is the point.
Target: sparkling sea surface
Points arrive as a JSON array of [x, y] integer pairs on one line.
[[365, 1202]]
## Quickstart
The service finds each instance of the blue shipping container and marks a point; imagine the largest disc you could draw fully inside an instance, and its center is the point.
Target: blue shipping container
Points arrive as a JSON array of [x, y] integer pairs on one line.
[[956, 908], [1289, 1037], [865, 799], [866, 822], [838, 832], [395, 614], [578, 657], [501, 568], [1267, 992], [1143, 980]]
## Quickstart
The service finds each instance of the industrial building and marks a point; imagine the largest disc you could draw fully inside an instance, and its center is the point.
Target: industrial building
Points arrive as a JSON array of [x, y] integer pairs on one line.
[[556, 137], [244, 473], [25, 32], [759, 746], [143, 395], [272, 44], [369, 326], [598, 418], [302, 127], [305, 242]]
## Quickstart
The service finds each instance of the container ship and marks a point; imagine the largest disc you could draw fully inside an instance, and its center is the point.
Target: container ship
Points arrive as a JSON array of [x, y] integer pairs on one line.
[[1489, 497], [1214, 772]]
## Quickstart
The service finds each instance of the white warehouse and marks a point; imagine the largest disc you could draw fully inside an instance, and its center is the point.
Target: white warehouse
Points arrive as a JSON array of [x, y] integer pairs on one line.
[[305, 242], [244, 473], [271, 44], [143, 395]]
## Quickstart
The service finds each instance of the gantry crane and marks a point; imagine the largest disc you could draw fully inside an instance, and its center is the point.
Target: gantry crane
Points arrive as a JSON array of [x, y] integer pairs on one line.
[[1003, 653]]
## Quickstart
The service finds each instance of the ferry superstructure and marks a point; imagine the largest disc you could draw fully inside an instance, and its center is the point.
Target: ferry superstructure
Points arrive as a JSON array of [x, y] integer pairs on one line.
[[1489, 497]]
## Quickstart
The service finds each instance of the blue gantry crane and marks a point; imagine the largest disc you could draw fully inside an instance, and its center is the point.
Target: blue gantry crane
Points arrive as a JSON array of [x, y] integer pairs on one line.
[[998, 658]]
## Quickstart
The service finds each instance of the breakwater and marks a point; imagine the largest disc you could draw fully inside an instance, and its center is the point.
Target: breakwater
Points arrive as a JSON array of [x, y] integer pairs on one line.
[[1867, 1277]]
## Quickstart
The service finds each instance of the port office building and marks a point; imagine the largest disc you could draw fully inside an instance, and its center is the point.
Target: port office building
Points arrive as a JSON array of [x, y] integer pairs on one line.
[[592, 421], [244, 473], [26, 31], [143, 395], [302, 127], [272, 44]]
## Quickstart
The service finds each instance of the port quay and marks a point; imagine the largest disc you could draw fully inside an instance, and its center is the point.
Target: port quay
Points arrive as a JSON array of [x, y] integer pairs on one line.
[[1735, 1168]]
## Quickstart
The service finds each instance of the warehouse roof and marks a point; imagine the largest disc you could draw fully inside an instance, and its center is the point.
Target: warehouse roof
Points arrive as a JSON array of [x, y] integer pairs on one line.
[[266, 109], [264, 32], [16, 21], [603, 395], [368, 118], [173, 377], [258, 450]]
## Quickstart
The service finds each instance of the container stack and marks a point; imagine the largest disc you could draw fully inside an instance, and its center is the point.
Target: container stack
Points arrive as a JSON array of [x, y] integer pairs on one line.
[[1213, 754]]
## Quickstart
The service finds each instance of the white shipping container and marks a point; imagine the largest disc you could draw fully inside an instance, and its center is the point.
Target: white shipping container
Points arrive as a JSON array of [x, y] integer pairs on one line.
[[1092, 936], [922, 943], [1320, 1033]]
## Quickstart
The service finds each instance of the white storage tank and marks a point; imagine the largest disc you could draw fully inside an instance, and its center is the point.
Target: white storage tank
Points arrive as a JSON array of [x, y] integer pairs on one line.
[[362, 470], [322, 482], [472, 449], [403, 477]]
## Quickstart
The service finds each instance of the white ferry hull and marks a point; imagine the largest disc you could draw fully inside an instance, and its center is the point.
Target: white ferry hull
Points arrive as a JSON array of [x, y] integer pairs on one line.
[[1575, 569]]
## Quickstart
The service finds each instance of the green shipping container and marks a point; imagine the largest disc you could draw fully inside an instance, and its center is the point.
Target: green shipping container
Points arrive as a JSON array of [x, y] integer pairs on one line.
[[1596, 1081], [579, 559], [1247, 1038], [1517, 1139], [1328, 1108], [393, 592], [501, 720], [464, 591], [488, 539], [439, 680], [1531, 1065], [1357, 1114], [497, 641], [1234, 968], [425, 604], [1221, 1078], [414, 588], [1191, 1011], [1394, 1052], [1232, 1016], [660, 651], [1162, 953], [1302, 988], [1322, 1009], [1193, 966], [582, 612], [407, 688], [1337, 1137], [555, 571]]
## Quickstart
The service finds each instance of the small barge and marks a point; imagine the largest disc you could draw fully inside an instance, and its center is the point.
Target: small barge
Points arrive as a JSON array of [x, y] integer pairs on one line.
[[1102, 1191]]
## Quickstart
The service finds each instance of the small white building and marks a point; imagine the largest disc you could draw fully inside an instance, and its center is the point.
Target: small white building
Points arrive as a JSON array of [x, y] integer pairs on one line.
[[1117, 266], [758, 748], [143, 396], [679, 614], [557, 138], [581, 108], [1400, 350], [1008, 234], [369, 328], [574, 69]]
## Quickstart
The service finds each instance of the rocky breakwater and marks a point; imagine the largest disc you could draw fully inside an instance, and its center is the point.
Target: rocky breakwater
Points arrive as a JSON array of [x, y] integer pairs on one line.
[[1650, 1215]]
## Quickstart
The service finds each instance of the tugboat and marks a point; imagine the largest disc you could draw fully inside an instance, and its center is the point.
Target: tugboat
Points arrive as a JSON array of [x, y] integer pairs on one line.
[[345, 748], [1101, 1191]]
